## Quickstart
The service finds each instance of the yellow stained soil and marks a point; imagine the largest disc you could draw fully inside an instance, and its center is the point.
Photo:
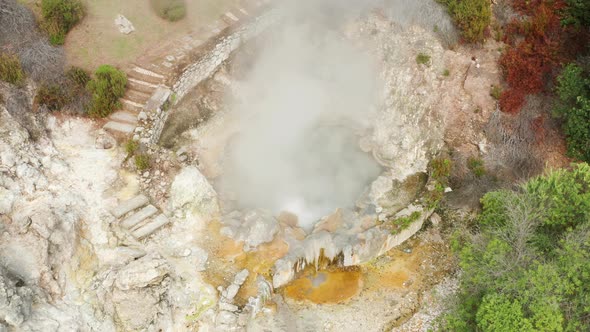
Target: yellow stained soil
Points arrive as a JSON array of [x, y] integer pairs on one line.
[[227, 258], [396, 270], [329, 286]]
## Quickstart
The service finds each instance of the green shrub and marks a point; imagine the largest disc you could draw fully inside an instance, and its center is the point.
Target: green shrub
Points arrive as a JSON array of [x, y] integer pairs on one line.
[[107, 87], [171, 10], [446, 73], [573, 91], [11, 70], [422, 59], [78, 76], [476, 166], [471, 16], [496, 92], [401, 223], [53, 96], [60, 16], [577, 13], [508, 281], [142, 162], [131, 146], [440, 168]]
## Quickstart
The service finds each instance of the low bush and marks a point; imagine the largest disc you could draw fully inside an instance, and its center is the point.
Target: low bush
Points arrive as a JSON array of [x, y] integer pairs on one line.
[[107, 87], [171, 10], [476, 166], [496, 92], [401, 223], [142, 162], [78, 76], [471, 16], [422, 59], [131, 146], [60, 16], [573, 92], [52, 96], [11, 70]]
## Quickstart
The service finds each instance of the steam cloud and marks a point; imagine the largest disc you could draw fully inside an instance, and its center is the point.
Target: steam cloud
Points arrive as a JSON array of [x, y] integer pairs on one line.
[[302, 105]]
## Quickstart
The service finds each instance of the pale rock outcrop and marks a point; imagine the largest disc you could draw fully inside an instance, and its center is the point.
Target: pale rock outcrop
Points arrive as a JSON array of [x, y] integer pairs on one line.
[[143, 272], [254, 227], [124, 25], [191, 194]]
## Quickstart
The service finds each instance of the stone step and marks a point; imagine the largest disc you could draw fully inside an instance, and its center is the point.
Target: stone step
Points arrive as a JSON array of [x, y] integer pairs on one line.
[[129, 205], [136, 96], [131, 105], [145, 75], [243, 12], [139, 216], [124, 116], [142, 86], [149, 228], [229, 18], [118, 127]]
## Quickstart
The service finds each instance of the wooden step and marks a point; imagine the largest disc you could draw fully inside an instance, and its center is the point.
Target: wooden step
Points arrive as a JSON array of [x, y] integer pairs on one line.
[[139, 216], [129, 205]]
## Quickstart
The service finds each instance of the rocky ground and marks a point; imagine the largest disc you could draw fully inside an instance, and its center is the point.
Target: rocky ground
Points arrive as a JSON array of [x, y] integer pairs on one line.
[[68, 262]]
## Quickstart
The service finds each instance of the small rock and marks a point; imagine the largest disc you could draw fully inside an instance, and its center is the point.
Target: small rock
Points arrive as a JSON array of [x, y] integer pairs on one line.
[[435, 219], [231, 291], [104, 140], [226, 318], [448, 189], [241, 277], [142, 116], [228, 307], [124, 25], [146, 174], [407, 250], [138, 129], [182, 158]]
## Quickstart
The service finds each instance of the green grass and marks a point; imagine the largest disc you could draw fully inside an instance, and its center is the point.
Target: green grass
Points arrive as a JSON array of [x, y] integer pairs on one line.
[[496, 92], [142, 162], [402, 223], [423, 59], [476, 166]]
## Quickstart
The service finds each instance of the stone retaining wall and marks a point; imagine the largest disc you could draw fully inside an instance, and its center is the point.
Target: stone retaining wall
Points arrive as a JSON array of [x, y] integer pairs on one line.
[[213, 53], [219, 51]]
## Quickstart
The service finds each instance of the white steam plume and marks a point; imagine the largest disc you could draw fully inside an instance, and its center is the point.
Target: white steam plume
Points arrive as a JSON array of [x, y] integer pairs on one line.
[[307, 96]]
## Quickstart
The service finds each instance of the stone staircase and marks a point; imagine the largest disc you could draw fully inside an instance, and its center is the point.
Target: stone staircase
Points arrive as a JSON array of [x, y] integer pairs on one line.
[[139, 217], [157, 66]]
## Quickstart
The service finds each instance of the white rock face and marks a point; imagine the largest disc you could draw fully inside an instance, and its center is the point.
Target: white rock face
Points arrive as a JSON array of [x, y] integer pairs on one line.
[[144, 272], [191, 193], [254, 227], [124, 25]]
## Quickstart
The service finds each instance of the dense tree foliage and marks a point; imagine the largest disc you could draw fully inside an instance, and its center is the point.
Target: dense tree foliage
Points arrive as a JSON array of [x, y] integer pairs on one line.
[[60, 17], [528, 267], [573, 92], [107, 87]]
